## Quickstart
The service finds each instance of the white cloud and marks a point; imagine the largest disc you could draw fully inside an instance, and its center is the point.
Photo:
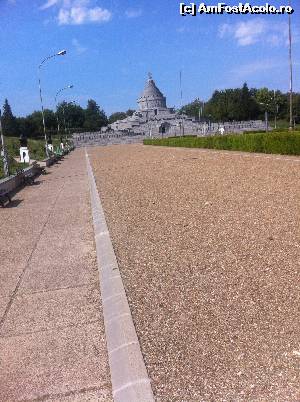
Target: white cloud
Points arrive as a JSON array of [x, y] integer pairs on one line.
[[78, 12], [248, 69], [78, 47], [133, 13], [255, 31], [83, 15], [65, 3], [49, 4]]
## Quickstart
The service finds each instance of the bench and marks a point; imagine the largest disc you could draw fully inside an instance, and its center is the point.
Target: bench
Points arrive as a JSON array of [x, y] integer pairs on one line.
[[4, 194], [40, 169], [28, 178]]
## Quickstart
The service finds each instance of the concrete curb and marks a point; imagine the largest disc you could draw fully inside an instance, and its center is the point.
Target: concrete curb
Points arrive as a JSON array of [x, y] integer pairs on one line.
[[130, 381]]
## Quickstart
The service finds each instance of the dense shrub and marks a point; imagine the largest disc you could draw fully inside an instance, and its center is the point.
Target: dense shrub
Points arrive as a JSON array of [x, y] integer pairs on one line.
[[275, 142]]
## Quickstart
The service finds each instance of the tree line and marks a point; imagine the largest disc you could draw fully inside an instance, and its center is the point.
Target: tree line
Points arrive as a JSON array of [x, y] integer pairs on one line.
[[69, 117], [240, 104], [233, 104]]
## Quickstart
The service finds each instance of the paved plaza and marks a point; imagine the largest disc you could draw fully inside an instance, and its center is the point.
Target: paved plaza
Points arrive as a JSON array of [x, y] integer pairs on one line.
[[208, 244], [52, 342], [208, 247]]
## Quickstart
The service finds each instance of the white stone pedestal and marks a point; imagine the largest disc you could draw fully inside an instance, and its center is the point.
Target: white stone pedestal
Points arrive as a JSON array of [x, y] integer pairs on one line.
[[24, 155], [50, 147], [62, 146]]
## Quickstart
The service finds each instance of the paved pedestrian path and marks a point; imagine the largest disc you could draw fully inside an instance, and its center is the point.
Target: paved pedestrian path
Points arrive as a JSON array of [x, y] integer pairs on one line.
[[52, 342]]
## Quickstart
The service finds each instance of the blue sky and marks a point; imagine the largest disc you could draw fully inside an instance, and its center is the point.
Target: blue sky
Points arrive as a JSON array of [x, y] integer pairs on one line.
[[112, 44]]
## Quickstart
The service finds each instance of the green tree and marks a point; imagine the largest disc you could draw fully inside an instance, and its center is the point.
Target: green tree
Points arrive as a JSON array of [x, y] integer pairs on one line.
[[296, 107], [9, 121], [249, 108], [274, 102], [71, 114], [193, 109], [28, 127], [264, 98], [34, 122], [117, 116], [233, 104], [95, 118]]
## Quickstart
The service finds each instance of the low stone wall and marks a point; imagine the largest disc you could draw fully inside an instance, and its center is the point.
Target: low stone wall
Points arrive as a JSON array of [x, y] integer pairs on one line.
[[97, 139], [150, 130], [47, 162], [11, 183]]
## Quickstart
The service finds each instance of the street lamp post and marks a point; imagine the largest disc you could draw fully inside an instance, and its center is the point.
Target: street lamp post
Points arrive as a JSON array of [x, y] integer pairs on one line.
[[276, 113], [291, 70], [266, 115], [266, 121], [276, 109], [61, 53], [3, 152]]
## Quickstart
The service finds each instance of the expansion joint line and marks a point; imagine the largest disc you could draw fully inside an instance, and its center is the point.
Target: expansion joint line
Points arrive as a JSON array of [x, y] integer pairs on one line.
[[9, 304]]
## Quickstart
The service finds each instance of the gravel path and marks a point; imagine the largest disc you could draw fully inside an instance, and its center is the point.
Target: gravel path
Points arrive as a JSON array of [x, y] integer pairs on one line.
[[208, 244]]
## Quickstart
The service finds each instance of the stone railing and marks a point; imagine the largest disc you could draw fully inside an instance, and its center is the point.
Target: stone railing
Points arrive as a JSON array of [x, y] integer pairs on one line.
[[129, 137], [112, 138], [47, 162], [12, 182]]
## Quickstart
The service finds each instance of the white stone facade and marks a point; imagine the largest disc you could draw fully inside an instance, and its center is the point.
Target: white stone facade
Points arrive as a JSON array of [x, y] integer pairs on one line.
[[155, 119]]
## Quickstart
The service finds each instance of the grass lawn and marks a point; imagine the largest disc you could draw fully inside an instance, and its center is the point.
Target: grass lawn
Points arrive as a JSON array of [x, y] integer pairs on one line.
[[283, 124], [274, 142], [36, 152]]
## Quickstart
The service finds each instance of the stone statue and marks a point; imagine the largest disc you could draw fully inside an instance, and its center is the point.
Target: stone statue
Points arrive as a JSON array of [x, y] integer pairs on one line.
[[24, 153], [23, 140], [50, 144]]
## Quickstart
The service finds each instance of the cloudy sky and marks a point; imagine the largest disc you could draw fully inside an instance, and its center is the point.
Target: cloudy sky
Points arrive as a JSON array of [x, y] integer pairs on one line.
[[112, 45]]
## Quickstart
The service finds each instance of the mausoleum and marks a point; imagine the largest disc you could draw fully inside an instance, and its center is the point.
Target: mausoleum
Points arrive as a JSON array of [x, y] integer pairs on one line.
[[154, 117]]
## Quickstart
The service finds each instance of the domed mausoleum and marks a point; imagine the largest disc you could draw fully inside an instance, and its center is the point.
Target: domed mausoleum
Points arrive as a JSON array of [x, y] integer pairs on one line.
[[151, 97], [154, 117]]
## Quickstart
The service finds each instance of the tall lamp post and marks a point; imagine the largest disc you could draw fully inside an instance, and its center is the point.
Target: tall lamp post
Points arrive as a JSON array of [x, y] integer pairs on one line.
[[60, 53], [58, 92], [266, 115], [276, 108], [291, 70], [3, 152]]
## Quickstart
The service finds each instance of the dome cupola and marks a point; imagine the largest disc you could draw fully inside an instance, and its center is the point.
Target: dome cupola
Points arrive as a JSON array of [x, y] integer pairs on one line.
[[151, 97]]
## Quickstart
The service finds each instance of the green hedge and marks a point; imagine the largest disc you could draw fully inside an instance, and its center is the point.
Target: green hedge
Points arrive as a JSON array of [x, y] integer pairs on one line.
[[277, 142]]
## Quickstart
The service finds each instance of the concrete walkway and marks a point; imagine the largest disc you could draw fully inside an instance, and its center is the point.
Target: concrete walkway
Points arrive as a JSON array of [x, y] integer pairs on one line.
[[52, 342]]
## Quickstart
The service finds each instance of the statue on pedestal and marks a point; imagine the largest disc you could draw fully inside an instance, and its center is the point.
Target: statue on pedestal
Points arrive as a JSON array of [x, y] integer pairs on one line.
[[49, 144], [24, 152]]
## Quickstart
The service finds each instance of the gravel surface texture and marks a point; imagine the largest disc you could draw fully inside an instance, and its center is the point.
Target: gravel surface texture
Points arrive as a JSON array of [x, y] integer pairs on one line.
[[208, 244]]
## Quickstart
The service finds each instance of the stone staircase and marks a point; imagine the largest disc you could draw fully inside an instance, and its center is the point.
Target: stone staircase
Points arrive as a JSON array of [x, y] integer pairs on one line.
[[108, 140]]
